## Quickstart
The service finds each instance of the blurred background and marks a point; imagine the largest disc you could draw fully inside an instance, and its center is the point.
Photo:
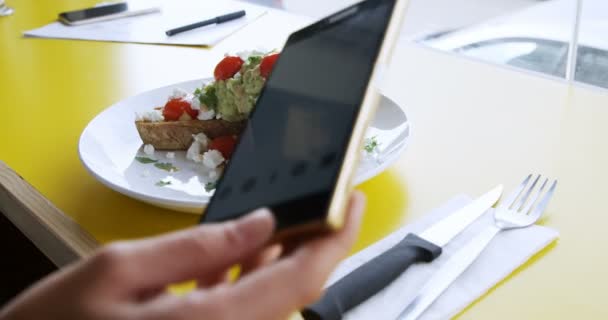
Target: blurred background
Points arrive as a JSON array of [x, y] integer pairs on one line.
[[562, 39], [566, 40]]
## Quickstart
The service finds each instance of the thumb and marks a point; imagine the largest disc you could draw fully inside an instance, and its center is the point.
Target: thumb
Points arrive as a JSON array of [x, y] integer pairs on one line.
[[193, 253]]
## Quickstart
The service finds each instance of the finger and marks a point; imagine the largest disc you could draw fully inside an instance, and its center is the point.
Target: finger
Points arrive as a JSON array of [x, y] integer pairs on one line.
[[297, 280], [185, 255], [258, 260], [272, 292], [213, 279], [264, 258]]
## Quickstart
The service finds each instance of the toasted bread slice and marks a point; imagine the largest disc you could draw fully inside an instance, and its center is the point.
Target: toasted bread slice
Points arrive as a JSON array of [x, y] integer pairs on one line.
[[177, 135]]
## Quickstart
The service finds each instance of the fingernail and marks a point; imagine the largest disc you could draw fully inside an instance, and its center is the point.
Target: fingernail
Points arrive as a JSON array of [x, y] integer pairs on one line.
[[360, 206], [360, 194], [261, 214], [256, 226]]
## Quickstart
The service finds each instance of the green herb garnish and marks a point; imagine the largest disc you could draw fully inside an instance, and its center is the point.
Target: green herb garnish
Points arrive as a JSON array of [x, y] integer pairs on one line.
[[371, 145], [208, 97], [166, 166], [210, 186], [254, 60], [145, 160], [162, 183]]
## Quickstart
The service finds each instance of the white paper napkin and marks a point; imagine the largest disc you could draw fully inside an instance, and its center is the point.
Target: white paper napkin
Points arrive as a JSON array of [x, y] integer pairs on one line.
[[504, 254]]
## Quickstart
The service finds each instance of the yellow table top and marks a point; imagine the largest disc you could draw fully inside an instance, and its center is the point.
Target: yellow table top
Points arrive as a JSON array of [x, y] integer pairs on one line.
[[473, 125]]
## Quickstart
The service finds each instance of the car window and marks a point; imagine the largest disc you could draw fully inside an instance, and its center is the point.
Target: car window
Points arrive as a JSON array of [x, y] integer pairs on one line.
[[545, 56], [592, 66], [538, 55]]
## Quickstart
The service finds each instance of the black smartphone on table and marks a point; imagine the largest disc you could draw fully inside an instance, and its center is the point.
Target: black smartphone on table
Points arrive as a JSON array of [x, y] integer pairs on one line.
[[300, 148], [103, 13]]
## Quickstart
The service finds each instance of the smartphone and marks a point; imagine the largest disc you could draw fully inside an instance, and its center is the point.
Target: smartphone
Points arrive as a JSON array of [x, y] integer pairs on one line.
[[102, 13], [300, 148]]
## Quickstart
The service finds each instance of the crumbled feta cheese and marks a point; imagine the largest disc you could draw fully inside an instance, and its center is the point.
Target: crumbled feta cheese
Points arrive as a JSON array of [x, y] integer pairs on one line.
[[178, 93], [206, 115], [202, 139], [195, 103], [194, 151], [212, 159], [244, 55], [213, 174], [198, 146], [151, 116], [149, 149], [170, 155]]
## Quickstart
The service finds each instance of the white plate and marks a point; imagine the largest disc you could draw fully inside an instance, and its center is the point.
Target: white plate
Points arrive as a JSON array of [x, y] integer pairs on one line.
[[109, 144]]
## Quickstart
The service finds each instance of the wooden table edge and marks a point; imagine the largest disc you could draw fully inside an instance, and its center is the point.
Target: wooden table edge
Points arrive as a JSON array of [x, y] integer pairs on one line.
[[56, 235]]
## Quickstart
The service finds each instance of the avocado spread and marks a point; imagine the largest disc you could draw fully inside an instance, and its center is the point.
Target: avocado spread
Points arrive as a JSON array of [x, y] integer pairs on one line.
[[233, 99]]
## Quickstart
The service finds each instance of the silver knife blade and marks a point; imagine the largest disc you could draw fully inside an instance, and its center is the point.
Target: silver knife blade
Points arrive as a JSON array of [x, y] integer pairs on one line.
[[443, 231], [446, 275]]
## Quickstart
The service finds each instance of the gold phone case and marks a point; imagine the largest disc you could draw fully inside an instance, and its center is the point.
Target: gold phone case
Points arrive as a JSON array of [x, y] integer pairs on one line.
[[340, 198], [335, 215]]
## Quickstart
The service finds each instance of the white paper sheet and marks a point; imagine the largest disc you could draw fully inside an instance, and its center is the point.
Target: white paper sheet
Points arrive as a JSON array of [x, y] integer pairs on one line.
[[150, 28]]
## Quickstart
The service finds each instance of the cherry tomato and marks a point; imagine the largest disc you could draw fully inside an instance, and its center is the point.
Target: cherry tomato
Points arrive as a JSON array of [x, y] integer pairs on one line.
[[225, 145], [174, 109], [267, 64], [228, 67]]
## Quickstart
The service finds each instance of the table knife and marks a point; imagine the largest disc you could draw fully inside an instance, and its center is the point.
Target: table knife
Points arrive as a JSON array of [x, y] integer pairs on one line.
[[376, 274], [444, 277]]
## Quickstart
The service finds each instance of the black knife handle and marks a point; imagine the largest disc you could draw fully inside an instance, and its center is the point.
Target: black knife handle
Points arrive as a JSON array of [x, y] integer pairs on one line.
[[370, 278]]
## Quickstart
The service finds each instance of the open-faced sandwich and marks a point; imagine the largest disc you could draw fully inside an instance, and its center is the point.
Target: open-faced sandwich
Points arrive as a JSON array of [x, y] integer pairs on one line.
[[218, 109], [208, 121]]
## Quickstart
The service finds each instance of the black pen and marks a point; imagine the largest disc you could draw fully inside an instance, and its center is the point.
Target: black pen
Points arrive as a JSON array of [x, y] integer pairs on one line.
[[216, 20]]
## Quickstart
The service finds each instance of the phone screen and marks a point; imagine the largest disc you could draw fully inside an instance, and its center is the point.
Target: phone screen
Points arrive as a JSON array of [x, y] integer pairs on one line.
[[79, 15], [289, 156]]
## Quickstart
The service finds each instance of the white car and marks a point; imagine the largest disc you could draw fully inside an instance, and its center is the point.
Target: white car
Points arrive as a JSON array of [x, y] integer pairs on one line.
[[537, 38]]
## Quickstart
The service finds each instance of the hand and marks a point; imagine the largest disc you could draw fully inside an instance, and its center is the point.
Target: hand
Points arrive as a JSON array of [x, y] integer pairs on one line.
[[127, 280]]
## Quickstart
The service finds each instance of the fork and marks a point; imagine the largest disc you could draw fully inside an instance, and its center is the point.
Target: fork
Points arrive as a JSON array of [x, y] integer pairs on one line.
[[510, 214]]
